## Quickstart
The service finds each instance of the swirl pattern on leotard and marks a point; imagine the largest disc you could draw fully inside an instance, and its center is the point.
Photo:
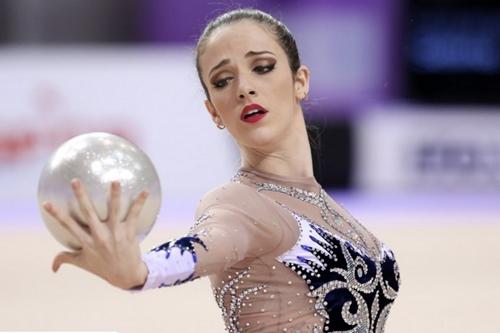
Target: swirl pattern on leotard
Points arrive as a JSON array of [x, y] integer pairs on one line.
[[352, 291]]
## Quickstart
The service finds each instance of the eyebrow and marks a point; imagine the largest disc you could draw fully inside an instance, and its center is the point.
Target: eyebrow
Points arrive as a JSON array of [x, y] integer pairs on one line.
[[224, 62]]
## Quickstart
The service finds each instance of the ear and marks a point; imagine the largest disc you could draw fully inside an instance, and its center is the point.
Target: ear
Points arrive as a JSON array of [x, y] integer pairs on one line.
[[301, 83], [213, 113]]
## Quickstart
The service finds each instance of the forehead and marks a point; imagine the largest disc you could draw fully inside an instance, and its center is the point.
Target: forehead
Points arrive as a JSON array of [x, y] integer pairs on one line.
[[235, 40]]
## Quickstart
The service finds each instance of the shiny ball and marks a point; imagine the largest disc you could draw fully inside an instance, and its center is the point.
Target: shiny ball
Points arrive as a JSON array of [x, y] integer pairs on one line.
[[97, 159]]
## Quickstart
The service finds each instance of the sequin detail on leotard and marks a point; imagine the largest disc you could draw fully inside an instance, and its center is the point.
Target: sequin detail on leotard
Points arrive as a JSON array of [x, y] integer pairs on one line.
[[352, 291], [231, 294]]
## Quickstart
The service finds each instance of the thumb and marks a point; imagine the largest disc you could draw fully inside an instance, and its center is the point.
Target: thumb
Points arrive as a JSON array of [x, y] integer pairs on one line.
[[65, 258]]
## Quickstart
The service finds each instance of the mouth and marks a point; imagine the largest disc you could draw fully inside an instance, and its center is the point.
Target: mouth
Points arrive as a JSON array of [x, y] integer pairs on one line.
[[252, 113]]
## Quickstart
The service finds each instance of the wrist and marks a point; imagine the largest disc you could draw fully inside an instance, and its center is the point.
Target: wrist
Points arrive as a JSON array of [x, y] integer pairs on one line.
[[137, 280], [141, 277]]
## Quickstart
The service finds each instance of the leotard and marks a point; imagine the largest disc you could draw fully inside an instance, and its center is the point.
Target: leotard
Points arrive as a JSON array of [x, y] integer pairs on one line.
[[282, 256]]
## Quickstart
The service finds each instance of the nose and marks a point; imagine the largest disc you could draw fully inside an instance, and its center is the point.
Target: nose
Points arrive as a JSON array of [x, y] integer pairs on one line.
[[250, 92], [246, 88]]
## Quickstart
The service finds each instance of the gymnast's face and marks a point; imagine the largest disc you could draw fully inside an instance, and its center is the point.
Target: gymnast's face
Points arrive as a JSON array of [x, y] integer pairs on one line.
[[252, 89]]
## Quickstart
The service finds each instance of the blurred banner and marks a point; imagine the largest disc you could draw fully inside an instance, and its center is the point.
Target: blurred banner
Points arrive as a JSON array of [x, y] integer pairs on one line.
[[351, 46], [437, 149], [150, 96], [451, 51]]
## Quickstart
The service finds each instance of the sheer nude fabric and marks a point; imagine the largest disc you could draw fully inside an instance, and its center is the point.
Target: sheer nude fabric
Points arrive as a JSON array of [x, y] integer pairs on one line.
[[271, 248]]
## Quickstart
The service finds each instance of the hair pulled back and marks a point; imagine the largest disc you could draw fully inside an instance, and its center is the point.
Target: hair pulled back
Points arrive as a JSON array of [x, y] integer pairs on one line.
[[281, 32]]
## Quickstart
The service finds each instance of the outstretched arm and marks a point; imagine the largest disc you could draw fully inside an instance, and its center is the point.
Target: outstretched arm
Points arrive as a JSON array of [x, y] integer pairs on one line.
[[222, 236]]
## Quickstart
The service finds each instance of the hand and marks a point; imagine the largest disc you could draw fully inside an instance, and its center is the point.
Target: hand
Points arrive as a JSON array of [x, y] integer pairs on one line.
[[110, 248]]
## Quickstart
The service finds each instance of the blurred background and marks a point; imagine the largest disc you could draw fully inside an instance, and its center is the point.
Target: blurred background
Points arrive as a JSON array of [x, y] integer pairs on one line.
[[404, 109]]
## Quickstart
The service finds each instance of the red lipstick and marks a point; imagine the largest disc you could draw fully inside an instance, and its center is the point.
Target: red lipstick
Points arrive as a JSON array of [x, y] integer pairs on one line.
[[252, 113]]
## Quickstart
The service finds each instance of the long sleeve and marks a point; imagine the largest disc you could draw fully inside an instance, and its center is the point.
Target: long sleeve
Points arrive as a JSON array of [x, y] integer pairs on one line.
[[233, 223]]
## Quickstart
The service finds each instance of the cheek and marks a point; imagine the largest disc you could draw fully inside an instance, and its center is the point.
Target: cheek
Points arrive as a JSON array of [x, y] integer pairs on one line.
[[223, 105], [282, 87], [283, 80]]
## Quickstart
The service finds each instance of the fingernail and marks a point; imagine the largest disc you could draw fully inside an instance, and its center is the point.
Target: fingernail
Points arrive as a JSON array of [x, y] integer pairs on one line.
[[75, 182], [46, 205]]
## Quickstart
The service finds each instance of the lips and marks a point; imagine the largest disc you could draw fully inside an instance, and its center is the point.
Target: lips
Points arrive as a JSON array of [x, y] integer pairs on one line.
[[252, 113]]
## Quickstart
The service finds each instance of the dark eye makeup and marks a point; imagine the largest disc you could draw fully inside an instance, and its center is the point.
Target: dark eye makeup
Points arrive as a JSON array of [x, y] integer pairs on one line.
[[221, 83], [264, 69], [260, 69]]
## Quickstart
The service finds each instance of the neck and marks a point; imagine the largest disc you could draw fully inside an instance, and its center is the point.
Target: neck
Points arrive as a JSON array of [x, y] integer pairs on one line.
[[290, 158]]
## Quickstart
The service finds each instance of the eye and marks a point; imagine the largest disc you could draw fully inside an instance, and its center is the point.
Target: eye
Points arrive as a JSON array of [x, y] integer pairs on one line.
[[264, 69], [218, 84]]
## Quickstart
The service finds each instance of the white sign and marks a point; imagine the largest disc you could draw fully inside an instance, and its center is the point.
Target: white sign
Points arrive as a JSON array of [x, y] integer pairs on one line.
[[150, 96]]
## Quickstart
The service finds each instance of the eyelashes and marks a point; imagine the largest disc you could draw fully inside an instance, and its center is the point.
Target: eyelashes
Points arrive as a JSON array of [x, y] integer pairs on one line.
[[218, 84], [261, 69], [264, 69]]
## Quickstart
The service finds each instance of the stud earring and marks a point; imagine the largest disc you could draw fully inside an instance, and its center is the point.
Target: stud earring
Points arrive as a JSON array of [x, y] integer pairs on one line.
[[220, 126]]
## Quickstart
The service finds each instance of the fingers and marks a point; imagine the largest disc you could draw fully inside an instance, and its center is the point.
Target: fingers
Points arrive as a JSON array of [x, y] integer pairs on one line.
[[66, 258], [68, 223], [135, 210], [85, 205], [114, 204]]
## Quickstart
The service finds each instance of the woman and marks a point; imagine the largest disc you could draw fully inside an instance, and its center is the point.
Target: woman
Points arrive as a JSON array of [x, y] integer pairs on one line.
[[280, 253]]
